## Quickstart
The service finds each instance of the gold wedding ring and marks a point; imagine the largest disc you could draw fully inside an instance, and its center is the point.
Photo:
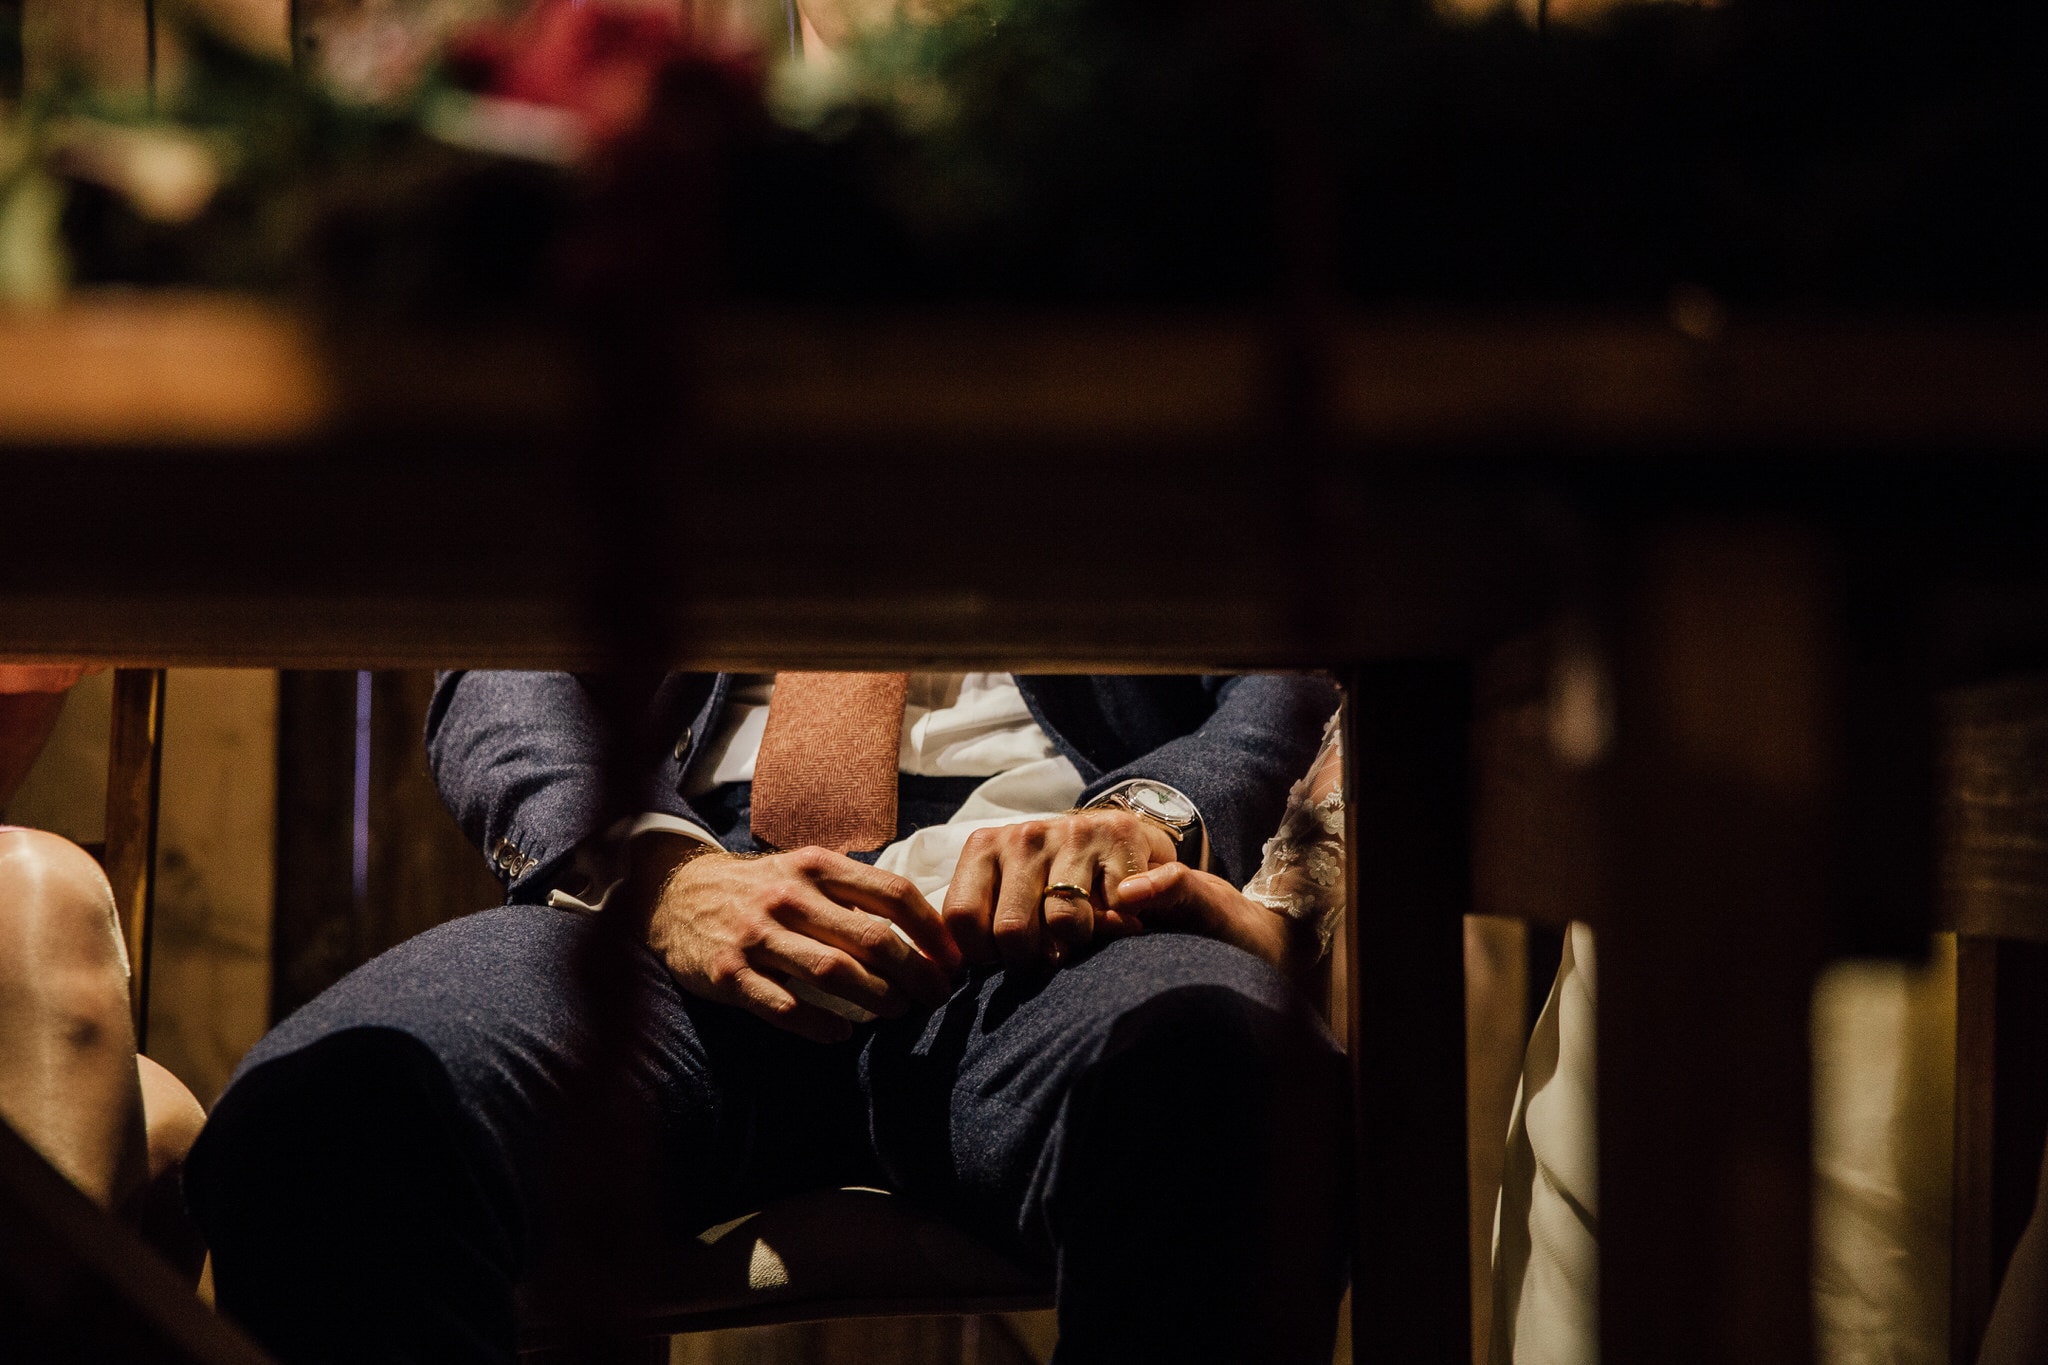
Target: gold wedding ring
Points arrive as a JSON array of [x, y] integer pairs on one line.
[[1065, 890]]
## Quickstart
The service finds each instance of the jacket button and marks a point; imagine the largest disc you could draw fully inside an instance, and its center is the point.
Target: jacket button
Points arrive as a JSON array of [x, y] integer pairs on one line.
[[682, 749]]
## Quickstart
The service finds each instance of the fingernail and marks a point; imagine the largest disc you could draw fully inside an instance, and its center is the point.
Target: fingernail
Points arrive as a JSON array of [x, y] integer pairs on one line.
[[1133, 886]]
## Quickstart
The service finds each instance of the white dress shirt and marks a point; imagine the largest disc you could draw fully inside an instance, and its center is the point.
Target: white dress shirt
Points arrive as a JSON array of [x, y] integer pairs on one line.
[[954, 725]]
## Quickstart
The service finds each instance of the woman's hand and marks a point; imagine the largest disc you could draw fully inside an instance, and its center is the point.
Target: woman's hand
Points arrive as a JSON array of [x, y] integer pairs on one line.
[[1042, 890], [1178, 898], [770, 935]]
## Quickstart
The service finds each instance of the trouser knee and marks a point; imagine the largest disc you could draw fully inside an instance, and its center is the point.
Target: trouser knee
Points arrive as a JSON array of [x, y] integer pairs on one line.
[[1209, 1055], [1201, 1166], [343, 1174]]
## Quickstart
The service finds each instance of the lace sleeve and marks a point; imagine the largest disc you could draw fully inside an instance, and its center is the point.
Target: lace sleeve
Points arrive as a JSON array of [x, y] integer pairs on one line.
[[1302, 873]]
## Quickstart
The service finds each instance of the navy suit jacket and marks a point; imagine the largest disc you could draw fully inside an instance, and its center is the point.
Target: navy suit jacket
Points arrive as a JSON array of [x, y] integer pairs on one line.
[[517, 755]]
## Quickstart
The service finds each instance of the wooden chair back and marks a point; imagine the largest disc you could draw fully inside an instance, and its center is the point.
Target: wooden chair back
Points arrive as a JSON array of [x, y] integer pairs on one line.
[[135, 754]]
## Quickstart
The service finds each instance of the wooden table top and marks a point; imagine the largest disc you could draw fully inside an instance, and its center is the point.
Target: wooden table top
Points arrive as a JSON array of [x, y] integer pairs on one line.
[[219, 480]]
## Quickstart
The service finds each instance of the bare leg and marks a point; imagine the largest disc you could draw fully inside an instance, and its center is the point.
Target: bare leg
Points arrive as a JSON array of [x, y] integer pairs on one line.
[[171, 1120], [68, 1078], [118, 1125]]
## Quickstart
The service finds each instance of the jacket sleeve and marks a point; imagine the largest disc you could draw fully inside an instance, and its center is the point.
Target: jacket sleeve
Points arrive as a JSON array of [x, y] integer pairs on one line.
[[1238, 766], [517, 759]]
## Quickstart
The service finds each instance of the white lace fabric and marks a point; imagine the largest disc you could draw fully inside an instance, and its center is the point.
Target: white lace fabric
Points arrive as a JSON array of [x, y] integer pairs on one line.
[[1301, 874]]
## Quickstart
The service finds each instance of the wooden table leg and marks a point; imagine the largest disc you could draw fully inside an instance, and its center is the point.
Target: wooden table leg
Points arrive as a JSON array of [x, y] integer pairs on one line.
[[1710, 935], [2001, 1116], [1406, 754], [1994, 783]]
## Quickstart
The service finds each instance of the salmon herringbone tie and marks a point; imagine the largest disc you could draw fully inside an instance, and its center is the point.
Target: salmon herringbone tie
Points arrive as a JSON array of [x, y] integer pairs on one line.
[[826, 774]]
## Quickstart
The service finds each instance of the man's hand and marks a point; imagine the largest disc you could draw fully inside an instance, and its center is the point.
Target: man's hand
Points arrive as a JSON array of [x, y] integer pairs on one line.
[[997, 907], [1185, 901], [737, 930]]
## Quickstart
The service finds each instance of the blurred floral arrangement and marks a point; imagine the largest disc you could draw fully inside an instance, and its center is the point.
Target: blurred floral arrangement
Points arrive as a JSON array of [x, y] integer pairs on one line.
[[396, 173], [100, 184], [1134, 150]]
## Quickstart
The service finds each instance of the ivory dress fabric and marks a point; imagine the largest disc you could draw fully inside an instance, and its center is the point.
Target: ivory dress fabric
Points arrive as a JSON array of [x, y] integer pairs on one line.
[[1884, 1095], [1883, 1068], [1546, 1232]]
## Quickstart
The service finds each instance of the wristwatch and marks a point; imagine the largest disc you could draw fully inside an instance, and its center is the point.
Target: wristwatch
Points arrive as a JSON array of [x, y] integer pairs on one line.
[[1166, 807]]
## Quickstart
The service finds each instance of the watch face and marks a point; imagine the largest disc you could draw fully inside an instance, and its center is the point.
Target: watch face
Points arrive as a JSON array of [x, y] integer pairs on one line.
[[1162, 802]]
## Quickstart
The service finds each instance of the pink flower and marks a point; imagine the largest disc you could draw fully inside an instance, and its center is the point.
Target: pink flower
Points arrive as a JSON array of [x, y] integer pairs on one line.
[[598, 60]]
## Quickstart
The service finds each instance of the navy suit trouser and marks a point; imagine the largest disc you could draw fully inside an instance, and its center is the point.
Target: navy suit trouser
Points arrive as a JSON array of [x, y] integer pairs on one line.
[[1161, 1126]]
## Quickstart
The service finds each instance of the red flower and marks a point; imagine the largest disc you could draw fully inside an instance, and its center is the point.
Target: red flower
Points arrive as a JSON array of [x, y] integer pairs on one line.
[[599, 60]]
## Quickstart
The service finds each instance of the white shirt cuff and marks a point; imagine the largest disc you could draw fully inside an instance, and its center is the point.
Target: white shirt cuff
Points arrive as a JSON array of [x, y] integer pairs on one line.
[[655, 822], [615, 839]]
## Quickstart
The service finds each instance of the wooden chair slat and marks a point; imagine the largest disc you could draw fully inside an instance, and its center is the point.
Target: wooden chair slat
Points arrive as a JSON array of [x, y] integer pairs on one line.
[[134, 773]]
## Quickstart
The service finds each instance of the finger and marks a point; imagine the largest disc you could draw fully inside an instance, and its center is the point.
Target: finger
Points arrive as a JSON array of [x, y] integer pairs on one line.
[[1115, 924], [1175, 896], [971, 900], [1133, 894], [830, 970], [895, 899], [875, 944], [1017, 922], [1187, 901], [1070, 918], [768, 1000], [1119, 860]]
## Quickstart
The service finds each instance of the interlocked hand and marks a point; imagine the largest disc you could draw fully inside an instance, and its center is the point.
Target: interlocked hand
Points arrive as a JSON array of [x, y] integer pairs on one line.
[[1042, 890]]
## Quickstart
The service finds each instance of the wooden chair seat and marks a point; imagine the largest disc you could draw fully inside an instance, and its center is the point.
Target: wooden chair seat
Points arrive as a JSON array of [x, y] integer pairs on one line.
[[822, 1254]]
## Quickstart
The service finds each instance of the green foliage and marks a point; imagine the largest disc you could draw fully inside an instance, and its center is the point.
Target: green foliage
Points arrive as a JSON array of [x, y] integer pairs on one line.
[[1037, 147], [1158, 151], [34, 267]]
